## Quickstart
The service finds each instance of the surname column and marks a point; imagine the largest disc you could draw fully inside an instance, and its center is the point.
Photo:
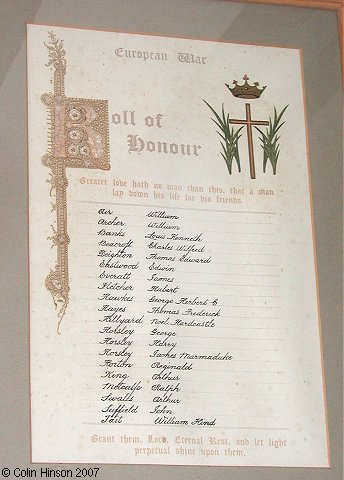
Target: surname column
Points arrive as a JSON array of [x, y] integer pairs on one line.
[[118, 264]]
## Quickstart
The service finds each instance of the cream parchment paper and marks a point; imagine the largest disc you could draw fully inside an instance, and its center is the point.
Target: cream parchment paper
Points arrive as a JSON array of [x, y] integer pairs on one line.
[[173, 293]]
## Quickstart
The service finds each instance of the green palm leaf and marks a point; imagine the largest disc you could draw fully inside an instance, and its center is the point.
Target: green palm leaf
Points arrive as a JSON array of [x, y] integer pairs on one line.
[[270, 140], [229, 136]]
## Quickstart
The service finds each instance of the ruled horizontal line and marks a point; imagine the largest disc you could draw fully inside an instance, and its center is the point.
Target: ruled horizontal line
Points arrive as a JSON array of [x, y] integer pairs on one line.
[[219, 403], [196, 336], [224, 284], [236, 233], [252, 317], [243, 243], [239, 383], [125, 214], [201, 283], [222, 253], [183, 293], [208, 273], [149, 304], [245, 394], [205, 240], [193, 426], [178, 208], [255, 339], [188, 380], [270, 417], [140, 312], [207, 370], [265, 383]]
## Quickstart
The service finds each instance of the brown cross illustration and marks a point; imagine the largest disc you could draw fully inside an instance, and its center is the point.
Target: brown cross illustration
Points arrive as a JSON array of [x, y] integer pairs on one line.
[[249, 122]]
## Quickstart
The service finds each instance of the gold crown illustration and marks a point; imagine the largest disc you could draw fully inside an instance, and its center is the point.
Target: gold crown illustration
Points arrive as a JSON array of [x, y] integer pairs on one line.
[[246, 90]]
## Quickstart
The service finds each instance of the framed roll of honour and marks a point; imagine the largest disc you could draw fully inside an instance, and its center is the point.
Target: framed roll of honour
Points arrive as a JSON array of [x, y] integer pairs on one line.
[[174, 313]]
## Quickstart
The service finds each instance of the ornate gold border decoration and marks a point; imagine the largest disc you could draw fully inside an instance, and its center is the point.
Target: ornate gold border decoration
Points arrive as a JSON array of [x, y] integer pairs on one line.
[[79, 138]]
